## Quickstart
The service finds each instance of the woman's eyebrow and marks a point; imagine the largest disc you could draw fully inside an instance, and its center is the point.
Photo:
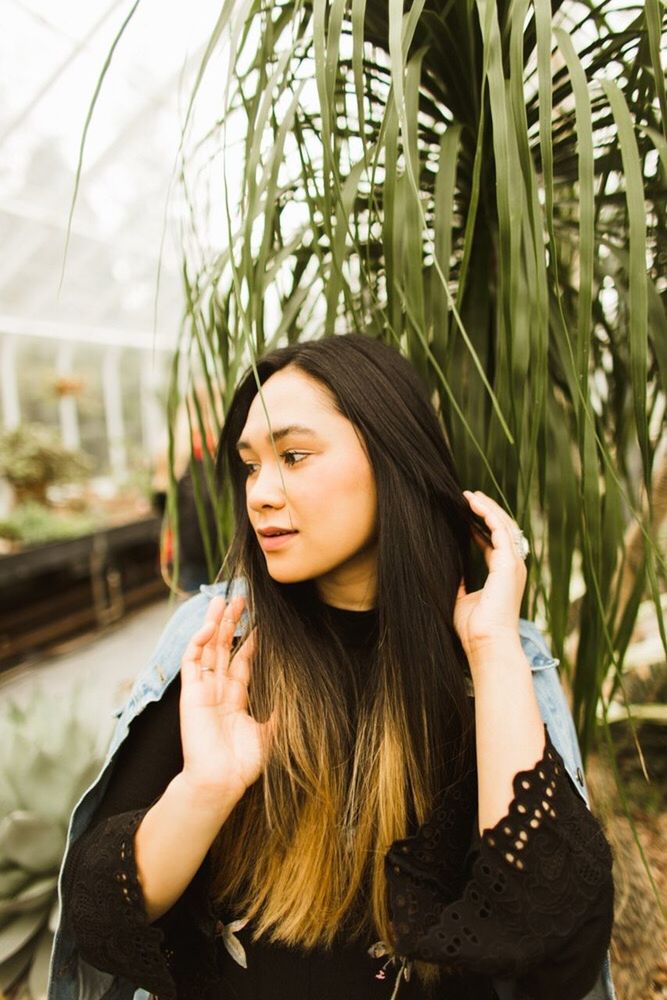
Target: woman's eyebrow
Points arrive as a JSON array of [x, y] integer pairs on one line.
[[279, 434]]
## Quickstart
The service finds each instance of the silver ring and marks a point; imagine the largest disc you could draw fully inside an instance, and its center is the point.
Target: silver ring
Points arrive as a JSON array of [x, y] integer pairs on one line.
[[207, 670], [521, 544]]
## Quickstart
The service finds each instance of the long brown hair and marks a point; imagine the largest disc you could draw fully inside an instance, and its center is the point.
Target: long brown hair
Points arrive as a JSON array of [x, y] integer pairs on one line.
[[303, 852]]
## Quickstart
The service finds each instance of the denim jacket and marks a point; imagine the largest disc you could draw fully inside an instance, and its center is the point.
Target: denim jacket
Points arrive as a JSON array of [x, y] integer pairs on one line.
[[71, 978]]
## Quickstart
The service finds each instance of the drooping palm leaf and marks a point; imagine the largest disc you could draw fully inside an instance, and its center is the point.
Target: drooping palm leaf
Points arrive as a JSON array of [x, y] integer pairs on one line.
[[477, 182], [483, 184]]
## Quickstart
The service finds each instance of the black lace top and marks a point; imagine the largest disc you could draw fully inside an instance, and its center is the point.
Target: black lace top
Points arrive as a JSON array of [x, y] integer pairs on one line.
[[531, 900]]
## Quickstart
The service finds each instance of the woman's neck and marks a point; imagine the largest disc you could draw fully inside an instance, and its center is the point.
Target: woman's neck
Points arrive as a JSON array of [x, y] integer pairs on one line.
[[349, 591], [352, 585], [346, 603]]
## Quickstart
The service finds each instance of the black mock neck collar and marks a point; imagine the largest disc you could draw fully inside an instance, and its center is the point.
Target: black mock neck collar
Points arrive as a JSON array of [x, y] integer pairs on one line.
[[352, 627]]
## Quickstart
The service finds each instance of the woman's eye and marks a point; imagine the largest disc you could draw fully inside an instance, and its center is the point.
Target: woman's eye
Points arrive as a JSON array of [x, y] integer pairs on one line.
[[290, 458], [294, 457]]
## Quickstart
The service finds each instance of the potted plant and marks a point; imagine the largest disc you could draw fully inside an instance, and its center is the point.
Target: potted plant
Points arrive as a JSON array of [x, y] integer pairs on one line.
[[32, 458]]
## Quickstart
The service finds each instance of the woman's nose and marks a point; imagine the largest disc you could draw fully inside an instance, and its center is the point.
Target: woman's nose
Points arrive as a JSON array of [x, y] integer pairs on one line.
[[265, 489]]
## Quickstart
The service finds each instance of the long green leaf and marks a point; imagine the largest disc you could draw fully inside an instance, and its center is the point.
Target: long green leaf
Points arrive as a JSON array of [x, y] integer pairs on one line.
[[654, 17], [584, 128], [638, 296], [84, 133], [443, 209]]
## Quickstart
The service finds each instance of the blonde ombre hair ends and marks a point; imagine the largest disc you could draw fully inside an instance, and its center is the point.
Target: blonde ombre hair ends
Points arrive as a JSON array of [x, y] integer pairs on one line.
[[303, 852], [308, 842]]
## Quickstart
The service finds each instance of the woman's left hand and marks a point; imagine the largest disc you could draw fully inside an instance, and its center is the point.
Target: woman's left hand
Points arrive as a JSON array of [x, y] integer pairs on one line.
[[491, 615]]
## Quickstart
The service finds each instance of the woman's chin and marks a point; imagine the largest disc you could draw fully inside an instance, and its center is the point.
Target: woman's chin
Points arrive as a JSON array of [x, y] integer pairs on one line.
[[283, 572]]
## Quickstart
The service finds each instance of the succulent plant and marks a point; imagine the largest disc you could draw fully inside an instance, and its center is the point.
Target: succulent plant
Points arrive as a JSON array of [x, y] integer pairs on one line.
[[50, 754]]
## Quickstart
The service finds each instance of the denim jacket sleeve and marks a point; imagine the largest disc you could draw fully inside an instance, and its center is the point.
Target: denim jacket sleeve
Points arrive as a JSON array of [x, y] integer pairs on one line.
[[556, 714], [70, 977]]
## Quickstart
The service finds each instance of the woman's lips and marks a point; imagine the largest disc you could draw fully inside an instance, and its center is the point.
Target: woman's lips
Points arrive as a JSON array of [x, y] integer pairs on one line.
[[271, 542]]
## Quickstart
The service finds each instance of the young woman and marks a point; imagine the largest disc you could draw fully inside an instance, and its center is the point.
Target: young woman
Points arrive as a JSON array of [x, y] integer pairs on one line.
[[363, 780]]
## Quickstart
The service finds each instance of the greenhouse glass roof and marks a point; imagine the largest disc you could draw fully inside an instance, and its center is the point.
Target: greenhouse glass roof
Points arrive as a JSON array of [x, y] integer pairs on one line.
[[51, 57]]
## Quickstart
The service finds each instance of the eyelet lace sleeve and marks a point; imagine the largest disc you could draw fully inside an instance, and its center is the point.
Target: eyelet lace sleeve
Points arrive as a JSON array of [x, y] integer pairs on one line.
[[104, 905], [537, 904]]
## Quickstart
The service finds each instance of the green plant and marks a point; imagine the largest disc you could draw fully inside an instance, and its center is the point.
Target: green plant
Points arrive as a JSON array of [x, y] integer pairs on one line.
[[49, 757], [32, 524], [483, 184], [32, 457]]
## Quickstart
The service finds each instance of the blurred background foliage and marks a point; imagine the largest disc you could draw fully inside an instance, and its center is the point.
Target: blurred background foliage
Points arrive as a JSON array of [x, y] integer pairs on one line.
[[51, 753], [483, 185], [32, 458]]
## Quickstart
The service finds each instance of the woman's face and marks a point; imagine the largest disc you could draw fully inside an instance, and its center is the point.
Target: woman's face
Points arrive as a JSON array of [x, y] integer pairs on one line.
[[315, 484]]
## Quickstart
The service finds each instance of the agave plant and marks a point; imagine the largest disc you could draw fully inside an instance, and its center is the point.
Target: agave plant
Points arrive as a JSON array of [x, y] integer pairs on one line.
[[49, 756], [481, 183]]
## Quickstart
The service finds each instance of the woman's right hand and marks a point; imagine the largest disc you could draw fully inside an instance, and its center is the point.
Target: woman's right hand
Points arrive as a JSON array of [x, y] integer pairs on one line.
[[224, 748]]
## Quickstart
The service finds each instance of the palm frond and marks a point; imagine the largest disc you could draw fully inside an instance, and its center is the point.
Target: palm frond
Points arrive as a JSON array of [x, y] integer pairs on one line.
[[482, 184]]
